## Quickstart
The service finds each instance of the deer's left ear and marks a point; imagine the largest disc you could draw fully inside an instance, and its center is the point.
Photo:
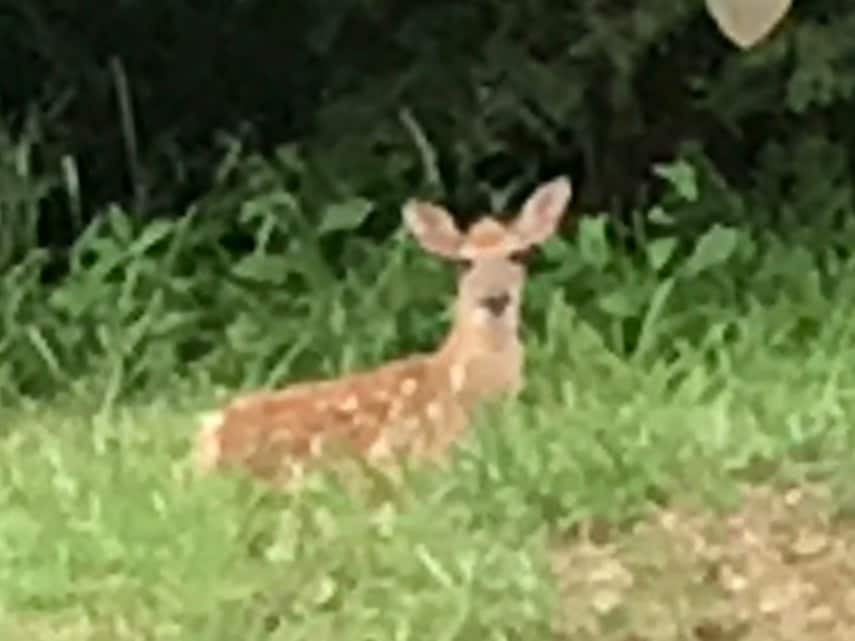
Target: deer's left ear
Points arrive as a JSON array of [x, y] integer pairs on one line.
[[434, 228], [542, 211]]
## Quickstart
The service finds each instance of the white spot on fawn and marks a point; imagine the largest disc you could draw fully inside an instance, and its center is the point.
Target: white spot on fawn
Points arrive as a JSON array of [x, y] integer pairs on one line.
[[349, 404], [409, 386], [280, 436], [380, 448], [434, 411], [316, 446], [362, 420], [242, 403], [395, 410], [458, 378], [295, 471]]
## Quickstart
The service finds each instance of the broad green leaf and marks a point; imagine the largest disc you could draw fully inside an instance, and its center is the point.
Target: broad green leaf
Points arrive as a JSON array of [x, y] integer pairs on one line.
[[151, 235], [659, 252], [714, 248], [593, 244], [661, 217], [120, 225], [681, 176], [556, 250], [620, 303], [344, 216], [273, 206], [261, 267]]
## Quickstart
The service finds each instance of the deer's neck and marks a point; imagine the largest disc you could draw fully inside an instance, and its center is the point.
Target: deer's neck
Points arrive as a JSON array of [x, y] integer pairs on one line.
[[480, 364]]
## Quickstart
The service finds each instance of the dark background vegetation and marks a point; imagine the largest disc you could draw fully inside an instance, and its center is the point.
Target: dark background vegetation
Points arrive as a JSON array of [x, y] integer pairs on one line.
[[242, 147], [502, 91]]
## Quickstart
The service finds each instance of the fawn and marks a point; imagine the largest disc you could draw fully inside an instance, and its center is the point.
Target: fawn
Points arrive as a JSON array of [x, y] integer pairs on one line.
[[417, 405]]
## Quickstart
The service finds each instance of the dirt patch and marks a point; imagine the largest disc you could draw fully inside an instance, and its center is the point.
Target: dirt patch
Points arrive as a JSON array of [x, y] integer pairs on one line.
[[778, 568]]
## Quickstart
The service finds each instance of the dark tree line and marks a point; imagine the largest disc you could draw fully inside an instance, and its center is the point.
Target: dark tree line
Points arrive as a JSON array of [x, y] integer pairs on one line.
[[468, 100]]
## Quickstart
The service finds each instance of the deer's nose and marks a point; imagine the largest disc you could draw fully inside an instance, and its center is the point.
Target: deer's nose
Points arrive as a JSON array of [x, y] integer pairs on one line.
[[496, 303]]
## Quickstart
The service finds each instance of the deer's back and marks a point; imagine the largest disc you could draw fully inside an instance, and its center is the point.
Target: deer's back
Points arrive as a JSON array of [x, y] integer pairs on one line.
[[404, 407]]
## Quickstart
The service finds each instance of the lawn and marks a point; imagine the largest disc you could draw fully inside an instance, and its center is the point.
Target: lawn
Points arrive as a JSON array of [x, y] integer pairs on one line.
[[700, 492]]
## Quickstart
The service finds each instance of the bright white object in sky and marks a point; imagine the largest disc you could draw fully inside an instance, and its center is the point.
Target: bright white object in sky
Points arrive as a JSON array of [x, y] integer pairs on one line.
[[747, 22]]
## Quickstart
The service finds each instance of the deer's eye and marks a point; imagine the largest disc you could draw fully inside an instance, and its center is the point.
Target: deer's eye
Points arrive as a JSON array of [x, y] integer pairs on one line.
[[463, 264], [520, 257]]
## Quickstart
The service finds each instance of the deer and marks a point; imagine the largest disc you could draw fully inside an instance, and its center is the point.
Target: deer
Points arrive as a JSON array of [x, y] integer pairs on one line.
[[416, 406]]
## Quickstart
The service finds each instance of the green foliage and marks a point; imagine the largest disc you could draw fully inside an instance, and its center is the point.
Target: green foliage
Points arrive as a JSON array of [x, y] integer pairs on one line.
[[24, 191], [469, 102], [261, 296], [251, 299]]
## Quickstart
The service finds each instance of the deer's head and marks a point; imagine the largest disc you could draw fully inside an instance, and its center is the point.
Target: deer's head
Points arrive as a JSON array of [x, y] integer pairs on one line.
[[492, 257]]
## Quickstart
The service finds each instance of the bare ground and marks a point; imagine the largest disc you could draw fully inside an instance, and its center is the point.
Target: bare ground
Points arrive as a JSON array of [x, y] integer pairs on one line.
[[777, 568]]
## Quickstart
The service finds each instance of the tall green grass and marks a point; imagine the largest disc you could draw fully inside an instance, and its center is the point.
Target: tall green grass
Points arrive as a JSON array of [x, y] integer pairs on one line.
[[105, 528]]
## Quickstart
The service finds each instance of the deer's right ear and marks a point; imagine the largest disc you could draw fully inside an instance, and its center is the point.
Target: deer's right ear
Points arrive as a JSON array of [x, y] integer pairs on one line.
[[434, 228]]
